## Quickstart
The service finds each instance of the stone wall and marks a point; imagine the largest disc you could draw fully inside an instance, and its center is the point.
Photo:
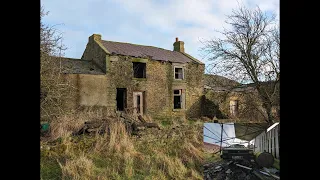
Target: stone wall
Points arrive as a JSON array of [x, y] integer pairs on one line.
[[95, 51], [158, 86], [249, 106], [73, 81], [194, 81]]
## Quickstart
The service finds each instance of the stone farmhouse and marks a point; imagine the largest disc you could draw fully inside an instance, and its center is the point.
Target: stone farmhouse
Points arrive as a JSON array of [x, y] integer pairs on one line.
[[145, 80], [159, 83]]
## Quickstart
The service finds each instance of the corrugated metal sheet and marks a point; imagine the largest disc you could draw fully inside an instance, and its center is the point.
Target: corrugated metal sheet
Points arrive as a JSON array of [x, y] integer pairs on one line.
[[248, 131]]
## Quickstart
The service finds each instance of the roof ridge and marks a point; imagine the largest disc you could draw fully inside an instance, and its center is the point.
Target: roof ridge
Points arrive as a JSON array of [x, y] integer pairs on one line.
[[191, 57], [139, 45], [157, 53], [75, 59], [68, 58]]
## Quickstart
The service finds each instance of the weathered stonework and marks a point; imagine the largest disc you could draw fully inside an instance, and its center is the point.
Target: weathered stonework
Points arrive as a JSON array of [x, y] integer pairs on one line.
[[100, 90], [249, 106], [104, 72], [95, 52], [195, 89]]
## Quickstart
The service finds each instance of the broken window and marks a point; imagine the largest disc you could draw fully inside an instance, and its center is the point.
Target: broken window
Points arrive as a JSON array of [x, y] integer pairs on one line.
[[139, 70], [178, 99], [234, 108], [178, 73]]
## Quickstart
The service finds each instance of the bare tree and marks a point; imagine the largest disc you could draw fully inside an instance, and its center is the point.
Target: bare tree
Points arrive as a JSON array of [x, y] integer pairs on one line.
[[53, 87], [249, 52]]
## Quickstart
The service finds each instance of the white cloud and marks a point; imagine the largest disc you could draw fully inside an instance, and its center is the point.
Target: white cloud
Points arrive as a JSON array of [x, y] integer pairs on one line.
[[150, 22]]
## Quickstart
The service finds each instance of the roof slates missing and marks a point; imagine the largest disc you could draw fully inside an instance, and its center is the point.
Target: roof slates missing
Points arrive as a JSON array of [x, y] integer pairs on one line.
[[79, 66]]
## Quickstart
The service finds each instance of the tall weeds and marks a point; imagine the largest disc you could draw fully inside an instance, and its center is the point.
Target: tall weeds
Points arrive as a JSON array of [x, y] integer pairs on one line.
[[118, 155]]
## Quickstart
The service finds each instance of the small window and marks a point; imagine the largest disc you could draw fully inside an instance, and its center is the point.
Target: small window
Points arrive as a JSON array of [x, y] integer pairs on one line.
[[234, 108], [139, 70], [178, 99], [178, 73], [275, 111]]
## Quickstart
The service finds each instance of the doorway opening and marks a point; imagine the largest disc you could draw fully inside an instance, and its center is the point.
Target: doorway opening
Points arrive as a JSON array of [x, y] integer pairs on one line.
[[138, 102], [121, 99]]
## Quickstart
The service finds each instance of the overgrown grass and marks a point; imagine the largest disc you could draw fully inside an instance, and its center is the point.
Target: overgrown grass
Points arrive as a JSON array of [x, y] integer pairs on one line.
[[211, 157], [159, 154]]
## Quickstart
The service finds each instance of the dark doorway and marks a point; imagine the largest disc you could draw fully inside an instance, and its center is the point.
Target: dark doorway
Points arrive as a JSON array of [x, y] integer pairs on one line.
[[121, 98], [138, 104]]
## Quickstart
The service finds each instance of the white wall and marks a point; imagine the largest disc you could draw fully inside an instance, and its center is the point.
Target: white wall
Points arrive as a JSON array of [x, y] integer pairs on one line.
[[268, 141]]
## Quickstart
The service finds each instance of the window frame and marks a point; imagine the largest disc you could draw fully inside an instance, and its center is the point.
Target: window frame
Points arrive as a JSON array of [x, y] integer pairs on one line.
[[234, 108], [182, 99], [174, 72], [144, 73]]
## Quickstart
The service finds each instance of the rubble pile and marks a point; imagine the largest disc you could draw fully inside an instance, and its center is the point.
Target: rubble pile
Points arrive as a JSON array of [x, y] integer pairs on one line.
[[133, 125], [228, 170]]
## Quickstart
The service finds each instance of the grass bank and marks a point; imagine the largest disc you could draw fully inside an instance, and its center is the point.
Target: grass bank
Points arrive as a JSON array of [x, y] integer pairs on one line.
[[170, 153]]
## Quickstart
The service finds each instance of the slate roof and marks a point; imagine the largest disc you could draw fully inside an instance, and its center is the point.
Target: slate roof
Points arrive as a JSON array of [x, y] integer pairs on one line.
[[219, 82], [80, 66], [141, 51]]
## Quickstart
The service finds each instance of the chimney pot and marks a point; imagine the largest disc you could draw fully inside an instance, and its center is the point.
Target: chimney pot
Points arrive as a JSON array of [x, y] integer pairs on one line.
[[177, 39]]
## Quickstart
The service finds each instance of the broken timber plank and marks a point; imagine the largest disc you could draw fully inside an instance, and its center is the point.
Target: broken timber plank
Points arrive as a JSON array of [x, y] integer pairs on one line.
[[141, 119]]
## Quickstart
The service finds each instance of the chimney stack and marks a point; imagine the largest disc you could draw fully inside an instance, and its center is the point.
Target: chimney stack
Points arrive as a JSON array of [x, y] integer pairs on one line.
[[95, 37], [178, 45]]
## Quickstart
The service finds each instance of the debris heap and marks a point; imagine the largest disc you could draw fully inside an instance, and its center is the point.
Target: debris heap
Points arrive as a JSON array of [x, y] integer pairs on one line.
[[232, 170], [133, 125]]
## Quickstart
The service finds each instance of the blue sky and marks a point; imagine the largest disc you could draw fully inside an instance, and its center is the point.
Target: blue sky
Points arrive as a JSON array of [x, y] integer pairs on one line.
[[215, 133], [147, 22]]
